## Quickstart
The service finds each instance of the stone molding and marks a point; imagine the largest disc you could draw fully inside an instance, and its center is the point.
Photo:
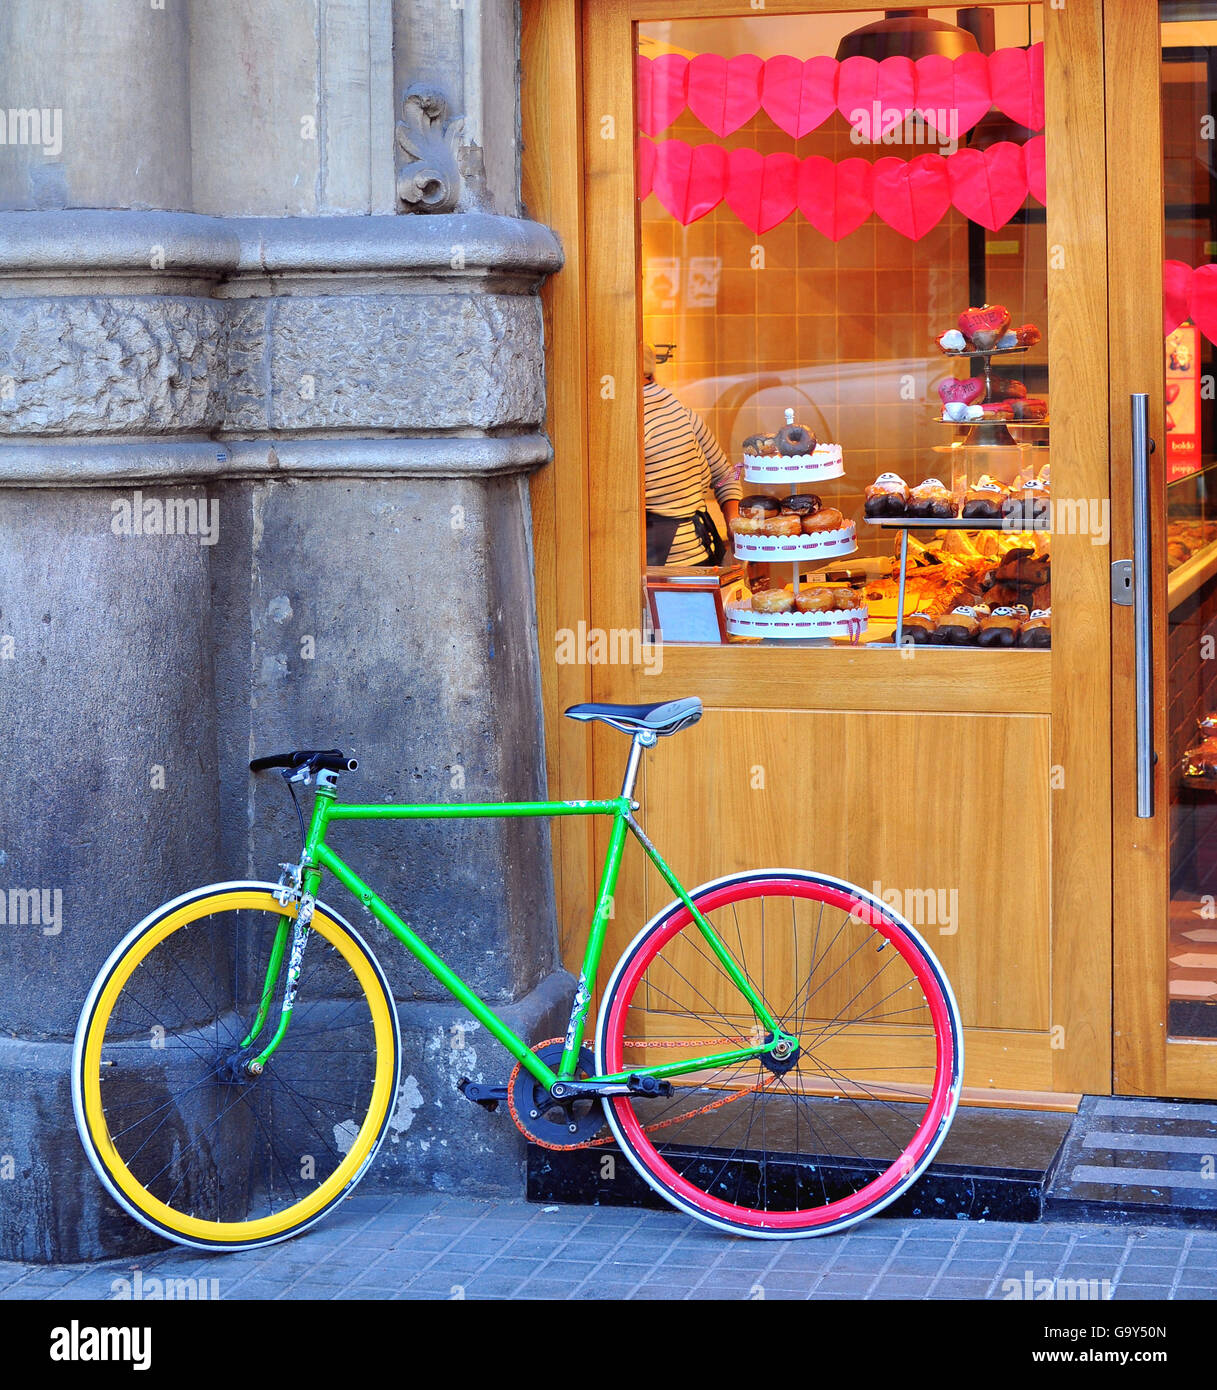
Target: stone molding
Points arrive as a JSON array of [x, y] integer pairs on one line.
[[171, 324]]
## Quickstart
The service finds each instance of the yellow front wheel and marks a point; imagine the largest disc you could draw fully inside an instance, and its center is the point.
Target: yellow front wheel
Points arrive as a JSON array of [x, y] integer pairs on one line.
[[184, 1138]]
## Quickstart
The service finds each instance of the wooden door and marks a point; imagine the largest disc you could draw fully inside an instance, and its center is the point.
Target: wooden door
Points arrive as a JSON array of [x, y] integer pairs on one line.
[[1159, 70], [979, 773]]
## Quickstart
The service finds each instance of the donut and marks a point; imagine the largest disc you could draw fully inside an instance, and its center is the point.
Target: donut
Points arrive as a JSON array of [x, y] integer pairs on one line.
[[793, 440], [815, 600], [782, 525], [752, 445], [757, 504], [747, 525], [826, 519], [773, 601], [802, 504]]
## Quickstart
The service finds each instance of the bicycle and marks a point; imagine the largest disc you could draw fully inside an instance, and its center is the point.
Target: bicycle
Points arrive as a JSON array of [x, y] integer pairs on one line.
[[757, 1064]]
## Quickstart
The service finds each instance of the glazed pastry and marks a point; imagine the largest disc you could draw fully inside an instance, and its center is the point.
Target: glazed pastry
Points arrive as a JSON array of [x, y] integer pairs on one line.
[[757, 504], [1037, 630], [747, 525], [983, 501], [1027, 504], [888, 495], [1028, 335], [815, 600], [801, 504], [1007, 388], [930, 498], [826, 519], [773, 601], [919, 628], [958, 628], [984, 326], [782, 525], [1031, 408], [998, 410], [1000, 628], [1021, 566], [794, 441]]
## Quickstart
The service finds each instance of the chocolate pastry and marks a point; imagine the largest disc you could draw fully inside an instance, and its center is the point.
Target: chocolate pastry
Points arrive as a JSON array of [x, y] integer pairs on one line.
[[958, 628], [1037, 630], [930, 498], [802, 504], [983, 501], [888, 495], [755, 444], [757, 504], [919, 628], [794, 440], [1000, 628]]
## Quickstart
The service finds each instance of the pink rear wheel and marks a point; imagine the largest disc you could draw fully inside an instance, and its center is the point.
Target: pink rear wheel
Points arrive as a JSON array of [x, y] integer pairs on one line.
[[813, 1142]]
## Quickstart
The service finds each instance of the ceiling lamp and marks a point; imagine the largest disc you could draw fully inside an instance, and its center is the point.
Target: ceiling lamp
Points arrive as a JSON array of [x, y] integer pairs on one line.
[[906, 34]]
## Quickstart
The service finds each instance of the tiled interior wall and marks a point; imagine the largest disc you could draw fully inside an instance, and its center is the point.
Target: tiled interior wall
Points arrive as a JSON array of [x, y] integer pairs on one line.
[[842, 332]]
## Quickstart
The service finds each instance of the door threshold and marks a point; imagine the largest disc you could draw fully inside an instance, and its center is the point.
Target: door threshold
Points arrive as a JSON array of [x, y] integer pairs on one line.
[[1129, 1159]]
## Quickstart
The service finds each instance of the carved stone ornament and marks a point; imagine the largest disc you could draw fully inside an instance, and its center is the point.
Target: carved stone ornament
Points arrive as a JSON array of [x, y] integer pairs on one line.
[[428, 171]]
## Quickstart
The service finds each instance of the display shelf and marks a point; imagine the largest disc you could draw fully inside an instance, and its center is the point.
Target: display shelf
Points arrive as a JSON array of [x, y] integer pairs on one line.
[[958, 523], [817, 545], [905, 524], [1183, 582], [986, 353], [742, 621]]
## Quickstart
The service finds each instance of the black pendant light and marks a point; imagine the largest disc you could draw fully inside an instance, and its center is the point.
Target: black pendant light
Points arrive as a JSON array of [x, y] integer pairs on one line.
[[906, 34]]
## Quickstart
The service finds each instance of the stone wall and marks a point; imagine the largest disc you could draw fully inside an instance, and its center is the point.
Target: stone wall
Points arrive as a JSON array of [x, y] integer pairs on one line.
[[266, 263]]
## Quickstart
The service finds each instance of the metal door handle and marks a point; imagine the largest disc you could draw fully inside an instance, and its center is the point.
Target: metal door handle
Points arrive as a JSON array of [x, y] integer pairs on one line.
[[1142, 604]]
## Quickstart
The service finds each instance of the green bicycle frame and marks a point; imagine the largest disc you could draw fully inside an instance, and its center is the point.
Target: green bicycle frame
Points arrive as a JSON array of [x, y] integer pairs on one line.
[[318, 856]]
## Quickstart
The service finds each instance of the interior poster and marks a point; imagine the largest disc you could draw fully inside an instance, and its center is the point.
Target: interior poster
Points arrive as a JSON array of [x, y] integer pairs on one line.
[[1182, 403]]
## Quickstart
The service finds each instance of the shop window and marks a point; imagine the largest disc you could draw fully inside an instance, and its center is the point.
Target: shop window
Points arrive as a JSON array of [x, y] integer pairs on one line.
[[843, 282]]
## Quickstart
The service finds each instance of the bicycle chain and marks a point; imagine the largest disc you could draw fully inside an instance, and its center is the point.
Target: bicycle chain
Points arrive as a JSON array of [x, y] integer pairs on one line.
[[647, 1129]]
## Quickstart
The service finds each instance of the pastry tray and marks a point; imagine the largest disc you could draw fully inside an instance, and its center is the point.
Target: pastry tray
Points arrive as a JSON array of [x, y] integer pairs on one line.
[[848, 622], [957, 523], [798, 468], [816, 545]]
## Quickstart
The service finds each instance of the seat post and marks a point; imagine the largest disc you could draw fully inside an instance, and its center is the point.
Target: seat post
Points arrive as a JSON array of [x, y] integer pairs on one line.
[[644, 738]]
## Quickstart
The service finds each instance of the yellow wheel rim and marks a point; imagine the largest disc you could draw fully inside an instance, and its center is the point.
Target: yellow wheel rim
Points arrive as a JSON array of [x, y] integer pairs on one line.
[[266, 1227]]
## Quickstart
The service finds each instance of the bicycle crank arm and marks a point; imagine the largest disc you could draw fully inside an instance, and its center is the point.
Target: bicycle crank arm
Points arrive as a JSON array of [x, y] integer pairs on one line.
[[633, 1086], [488, 1097]]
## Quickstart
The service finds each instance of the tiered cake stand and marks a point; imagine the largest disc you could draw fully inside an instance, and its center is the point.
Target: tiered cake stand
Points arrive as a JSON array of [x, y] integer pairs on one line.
[[797, 551]]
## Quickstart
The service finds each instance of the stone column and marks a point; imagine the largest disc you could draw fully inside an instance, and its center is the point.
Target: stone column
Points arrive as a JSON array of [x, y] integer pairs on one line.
[[350, 401]]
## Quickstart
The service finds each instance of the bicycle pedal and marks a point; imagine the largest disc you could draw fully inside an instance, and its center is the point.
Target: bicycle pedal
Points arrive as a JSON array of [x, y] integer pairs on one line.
[[488, 1097], [648, 1086]]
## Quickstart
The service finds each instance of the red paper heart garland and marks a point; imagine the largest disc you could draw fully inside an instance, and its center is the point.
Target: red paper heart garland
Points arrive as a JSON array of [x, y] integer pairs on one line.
[[725, 93], [911, 196]]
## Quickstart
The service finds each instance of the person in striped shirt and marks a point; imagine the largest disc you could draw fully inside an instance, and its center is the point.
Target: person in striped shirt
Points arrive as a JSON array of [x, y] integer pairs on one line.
[[683, 460]]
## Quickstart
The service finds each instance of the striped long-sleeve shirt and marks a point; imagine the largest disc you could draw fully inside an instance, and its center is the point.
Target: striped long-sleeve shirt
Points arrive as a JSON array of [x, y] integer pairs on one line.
[[683, 460]]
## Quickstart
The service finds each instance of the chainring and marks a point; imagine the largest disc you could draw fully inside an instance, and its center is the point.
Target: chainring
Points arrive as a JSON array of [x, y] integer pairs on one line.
[[541, 1119]]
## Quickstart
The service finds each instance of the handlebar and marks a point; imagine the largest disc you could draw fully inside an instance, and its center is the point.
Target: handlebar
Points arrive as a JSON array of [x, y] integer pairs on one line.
[[315, 759]]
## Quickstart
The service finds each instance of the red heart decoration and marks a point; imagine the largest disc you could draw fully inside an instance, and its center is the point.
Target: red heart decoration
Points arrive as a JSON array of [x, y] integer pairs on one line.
[[662, 90], [896, 88], [689, 180], [1204, 300], [989, 186], [973, 93], [912, 198], [967, 391], [989, 321], [1172, 392], [646, 166], [799, 96], [1037, 173], [1016, 79], [857, 93], [1176, 294], [835, 198], [761, 189], [724, 93]]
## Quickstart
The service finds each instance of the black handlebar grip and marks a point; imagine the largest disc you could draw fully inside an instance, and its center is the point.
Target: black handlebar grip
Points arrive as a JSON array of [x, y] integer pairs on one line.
[[329, 759]]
